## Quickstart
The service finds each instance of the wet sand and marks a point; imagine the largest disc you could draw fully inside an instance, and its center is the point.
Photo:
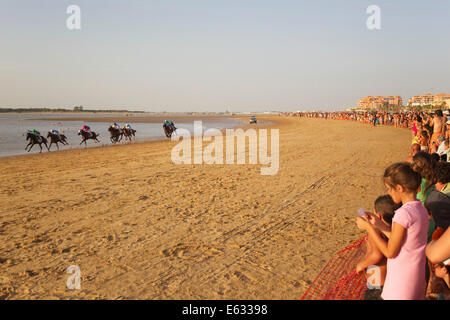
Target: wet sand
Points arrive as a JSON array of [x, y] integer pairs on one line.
[[141, 227], [135, 118]]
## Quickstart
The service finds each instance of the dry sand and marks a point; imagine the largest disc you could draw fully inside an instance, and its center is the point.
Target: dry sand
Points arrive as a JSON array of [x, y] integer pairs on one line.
[[141, 227]]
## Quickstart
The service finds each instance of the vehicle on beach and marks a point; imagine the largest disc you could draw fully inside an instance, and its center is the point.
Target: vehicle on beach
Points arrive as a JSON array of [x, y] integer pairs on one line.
[[252, 120]]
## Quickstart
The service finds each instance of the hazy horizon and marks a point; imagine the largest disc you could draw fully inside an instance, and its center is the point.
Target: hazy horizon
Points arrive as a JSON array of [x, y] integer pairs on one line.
[[218, 56]]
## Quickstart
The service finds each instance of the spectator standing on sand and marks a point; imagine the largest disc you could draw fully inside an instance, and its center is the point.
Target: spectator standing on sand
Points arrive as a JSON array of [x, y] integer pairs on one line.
[[438, 201], [424, 141], [415, 131], [447, 132], [440, 283], [438, 126], [415, 148], [405, 249], [384, 209], [438, 206], [438, 253], [424, 165], [440, 150]]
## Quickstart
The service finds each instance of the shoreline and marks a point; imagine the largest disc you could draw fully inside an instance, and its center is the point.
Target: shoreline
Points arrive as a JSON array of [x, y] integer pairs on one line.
[[244, 125], [140, 119]]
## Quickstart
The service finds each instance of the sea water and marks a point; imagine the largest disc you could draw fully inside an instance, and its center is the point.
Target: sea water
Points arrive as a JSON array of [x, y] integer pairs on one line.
[[13, 128]]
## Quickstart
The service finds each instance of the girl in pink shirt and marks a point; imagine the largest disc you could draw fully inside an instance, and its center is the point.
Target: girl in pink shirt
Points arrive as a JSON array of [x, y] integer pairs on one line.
[[405, 250]]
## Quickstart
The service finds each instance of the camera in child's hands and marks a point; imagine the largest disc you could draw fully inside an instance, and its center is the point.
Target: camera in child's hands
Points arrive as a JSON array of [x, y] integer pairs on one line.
[[362, 213]]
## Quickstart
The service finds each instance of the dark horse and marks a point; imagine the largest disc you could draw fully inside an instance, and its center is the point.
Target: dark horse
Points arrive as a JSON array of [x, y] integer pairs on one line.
[[55, 138], [115, 135], [129, 133], [35, 139], [169, 130], [88, 135]]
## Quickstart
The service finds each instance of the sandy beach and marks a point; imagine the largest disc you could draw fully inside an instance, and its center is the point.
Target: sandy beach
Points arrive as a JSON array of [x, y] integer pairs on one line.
[[140, 227]]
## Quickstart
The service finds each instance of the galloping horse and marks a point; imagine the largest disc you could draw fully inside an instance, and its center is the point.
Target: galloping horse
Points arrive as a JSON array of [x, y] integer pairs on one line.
[[115, 134], [129, 133], [169, 130], [88, 135], [35, 139], [55, 138]]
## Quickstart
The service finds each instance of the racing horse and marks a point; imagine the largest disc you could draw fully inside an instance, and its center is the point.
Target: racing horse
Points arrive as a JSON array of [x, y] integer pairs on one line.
[[129, 133], [115, 134], [55, 138], [169, 130], [88, 135], [35, 139]]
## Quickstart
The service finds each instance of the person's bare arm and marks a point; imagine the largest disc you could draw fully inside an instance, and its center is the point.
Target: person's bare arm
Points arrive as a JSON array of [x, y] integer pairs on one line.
[[378, 224], [388, 249], [439, 250]]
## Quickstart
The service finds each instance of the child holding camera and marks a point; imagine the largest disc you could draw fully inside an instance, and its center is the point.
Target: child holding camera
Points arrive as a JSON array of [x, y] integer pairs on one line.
[[384, 208], [405, 249]]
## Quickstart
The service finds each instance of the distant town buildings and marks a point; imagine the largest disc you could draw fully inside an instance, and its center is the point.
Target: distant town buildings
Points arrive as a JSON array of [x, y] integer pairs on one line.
[[375, 103], [379, 102], [430, 99]]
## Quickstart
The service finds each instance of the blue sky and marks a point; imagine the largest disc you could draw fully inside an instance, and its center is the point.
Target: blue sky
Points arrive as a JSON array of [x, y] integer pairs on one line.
[[214, 55]]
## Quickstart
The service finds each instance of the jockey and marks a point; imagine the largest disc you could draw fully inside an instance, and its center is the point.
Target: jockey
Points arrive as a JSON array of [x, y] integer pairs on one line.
[[86, 128], [115, 125], [35, 132], [128, 126], [56, 132], [169, 125]]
